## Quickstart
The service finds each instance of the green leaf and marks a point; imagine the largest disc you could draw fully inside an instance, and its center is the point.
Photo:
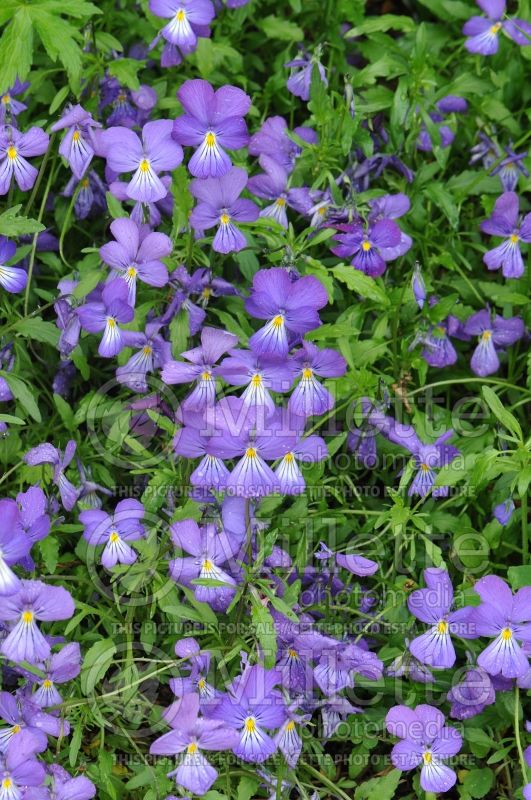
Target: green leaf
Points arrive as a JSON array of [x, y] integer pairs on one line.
[[361, 284], [381, 788], [116, 209], [448, 10], [37, 329], [49, 549], [501, 413], [519, 576], [96, 663], [438, 193], [280, 28], [265, 631], [23, 394], [126, 71], [383, 22], [59, 99], [60, 42], [13, 225], [16, 49], [11, 420], [478, 782]]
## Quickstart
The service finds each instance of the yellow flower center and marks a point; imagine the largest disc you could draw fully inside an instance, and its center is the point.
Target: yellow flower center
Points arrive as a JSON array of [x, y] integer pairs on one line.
[[6, 99], [111, 322], [114, 537], [192, 748], [278, 321], [256, 380], [180, 15], [206, 376], [144, 165], [424, 467], [11, 152], [27, 617], [47, 684], [289, 458], [322, 211], [250, 724], [366, 246], [85, 183], [442, 627], [207, 291], [486, 335], [496, 27], [427, 756], [201, 683], [290, 725], [307, 373], [210, 139], [224, 219], [207, 566], [250, 452], [16, 729], [281, 202], [293, 653], [506, 634], [147, 350], [76, 137], [514, 238], [131, 272], [7, 783]]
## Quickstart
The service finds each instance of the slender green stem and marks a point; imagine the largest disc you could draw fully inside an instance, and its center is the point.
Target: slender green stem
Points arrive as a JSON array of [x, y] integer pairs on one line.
[[37, 184], [525, 538], [518, 740], [503, 384], [34, 243]]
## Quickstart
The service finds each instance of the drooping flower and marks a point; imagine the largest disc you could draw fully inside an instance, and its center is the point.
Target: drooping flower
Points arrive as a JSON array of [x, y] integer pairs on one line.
[[213, 121], [426, 741], [136, 254], [272, 140], [156, 153], [310, 398], [482, 32], [493, 333], [486, 150], [77, 146], [438, 350], [510, 169], [209, 550], [474, 693], [48, 454], [369, 248], [504, 222], [14, 546], [90, 198], [355, 564], [190, 735], [34, 601], [418, 286], [189, 19], [9, 106], [447, 105], [201, 368], [508, 620], [432, 606], [33, 517], [254, 706], [197, 439], [337, 662], [308, 450], [106, 315], [220, 205], [196, 681], [300, 79], [15, 149], [146, 213], [114, 531], [290, 308], [13, 279], [503, 512]]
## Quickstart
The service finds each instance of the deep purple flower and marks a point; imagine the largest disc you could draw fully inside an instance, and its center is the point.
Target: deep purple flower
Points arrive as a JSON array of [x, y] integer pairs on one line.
[[426, 741], [392, 206], [33, 601], [14, 546], [209, 550], [259, 374], [369, 248], [77, 146], [432, 606], [105, 315], [253, 705], [198, 440], [48, 454], [157, 152], [510, 169], [504, 511], [482, 32], [60, 668], [213, 121], [114, 531], [290, 308], [474, 693], [508, 620], [310, 398], [504, 221], [136, 253], [153, 353], [15, 148], [493, 333], [300, 79], [201, 367], [33, 517], [190, 735], [9, 107], [188, 20], [272, 140], [13, 279], [219, 204]]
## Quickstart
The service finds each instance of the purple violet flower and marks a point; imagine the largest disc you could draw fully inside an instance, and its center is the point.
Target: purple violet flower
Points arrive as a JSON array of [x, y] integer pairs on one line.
[[290, 308], [259, 374], [15, 148], [300, 79], [9, 107], [33, 601], [504, 511], [426, 741], [48, 454], [508, 620], [189, 19], [310, 398], [473, 694], [272, 185], [504, 222], [213, 121], [307, 450], [482, 32], [493, 333], [418, 286], [65, 787], [157, 152], [60, 668], [13, 279], [153, 354], [272, 140], [77, 146], [114, 531], [510, 169], [19, 774], [136, 253], [105, 315], [219, 204], [14, 546], [369, 248]]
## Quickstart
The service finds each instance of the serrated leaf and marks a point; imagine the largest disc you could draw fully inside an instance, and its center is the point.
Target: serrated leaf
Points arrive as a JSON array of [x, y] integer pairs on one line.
[[11, 224], [126, 70], [59, 40], [361, 284], [49, 549], [37, 329], [281, 29], [16, 49]]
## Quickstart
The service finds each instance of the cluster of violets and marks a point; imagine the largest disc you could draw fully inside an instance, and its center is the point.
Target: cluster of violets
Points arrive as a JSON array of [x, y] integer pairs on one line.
[[248, 445]]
